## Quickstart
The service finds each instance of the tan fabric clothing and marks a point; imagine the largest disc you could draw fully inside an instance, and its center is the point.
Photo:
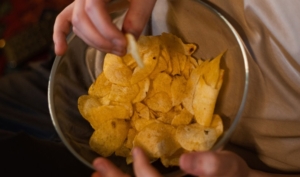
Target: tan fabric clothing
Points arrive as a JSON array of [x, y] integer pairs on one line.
[[270, 126]]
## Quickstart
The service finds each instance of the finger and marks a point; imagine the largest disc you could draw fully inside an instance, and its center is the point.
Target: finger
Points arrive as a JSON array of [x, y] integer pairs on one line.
[[82, 36], [137, 16], [89, 33], [103, 23], [213, 164], [106, 169], [61, 29], [141, 165]]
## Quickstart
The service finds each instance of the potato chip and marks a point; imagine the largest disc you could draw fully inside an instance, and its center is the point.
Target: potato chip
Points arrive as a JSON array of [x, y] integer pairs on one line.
[[183, 118], [161, 102], [162, 83], [142, 110], [190, 49], [132, 48], [100, 87], [150, 60], [116, 71], [144, 86], [204, 101], [212, 71], [191, 87], [129, 61], [157, 140], [178, 86], [147, 43], [123, 93], [86, 103], [141, 123], [162, 65], [217, 124], [109, 137], [130, 137], [101, 114], [176, 68], [195, 137]]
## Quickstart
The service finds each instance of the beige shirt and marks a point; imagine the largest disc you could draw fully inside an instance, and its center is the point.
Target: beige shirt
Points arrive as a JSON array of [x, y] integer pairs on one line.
[[268, 135]]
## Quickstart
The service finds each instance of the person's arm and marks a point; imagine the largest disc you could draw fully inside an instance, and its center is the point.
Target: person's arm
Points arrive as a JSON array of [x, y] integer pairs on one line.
[[90, 20]]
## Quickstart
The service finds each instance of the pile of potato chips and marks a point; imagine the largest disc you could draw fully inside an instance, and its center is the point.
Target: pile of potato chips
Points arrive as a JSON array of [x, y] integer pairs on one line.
[[165, 106]]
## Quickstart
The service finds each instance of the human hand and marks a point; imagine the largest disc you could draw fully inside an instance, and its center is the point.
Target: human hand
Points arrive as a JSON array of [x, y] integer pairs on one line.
[[91, 22], [141, 165], [214, 164]]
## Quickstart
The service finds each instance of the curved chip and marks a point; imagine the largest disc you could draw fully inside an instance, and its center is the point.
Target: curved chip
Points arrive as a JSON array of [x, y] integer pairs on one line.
[[116, 71], [109, 137]]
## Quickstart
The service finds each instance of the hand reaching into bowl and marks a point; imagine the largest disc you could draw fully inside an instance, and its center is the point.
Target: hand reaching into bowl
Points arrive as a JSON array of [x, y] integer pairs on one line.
[[91, 22]]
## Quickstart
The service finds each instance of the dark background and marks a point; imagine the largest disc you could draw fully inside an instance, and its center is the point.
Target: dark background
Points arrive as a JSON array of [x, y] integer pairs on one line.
[[26, 31]]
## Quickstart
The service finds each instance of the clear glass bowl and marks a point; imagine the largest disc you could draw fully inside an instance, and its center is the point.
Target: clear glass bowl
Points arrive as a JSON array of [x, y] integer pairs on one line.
[[193, 21]]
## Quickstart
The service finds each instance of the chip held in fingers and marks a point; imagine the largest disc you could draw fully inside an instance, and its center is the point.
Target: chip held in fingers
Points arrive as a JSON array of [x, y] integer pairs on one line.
[[158, 97], [132, 48]]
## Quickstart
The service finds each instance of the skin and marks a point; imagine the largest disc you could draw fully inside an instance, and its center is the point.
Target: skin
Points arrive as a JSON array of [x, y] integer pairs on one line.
[[90, 20]]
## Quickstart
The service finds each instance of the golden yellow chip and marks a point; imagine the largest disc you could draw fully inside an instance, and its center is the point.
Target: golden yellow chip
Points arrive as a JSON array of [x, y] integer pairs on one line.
[[100, 87], [132, 48], [116, 71], [123, 93], [195, 137], [142, 110], [162, 83], [168, 116], [212, 71], [86, 103], [141, 123], [157, 140], [144, 86], [161, 66], [178, 86], [191, 87], [183, 118], [109, 137], [150, 60], [104, 113], [204, 101], [161, 102], [129, 61], [130, 137], [217, 124]]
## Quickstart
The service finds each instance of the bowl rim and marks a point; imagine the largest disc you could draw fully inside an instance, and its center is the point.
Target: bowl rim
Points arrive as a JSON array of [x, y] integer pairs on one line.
[[217, 146]]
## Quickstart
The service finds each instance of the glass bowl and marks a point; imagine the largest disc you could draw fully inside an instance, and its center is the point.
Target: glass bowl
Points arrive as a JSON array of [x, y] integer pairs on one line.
[[193, 21]]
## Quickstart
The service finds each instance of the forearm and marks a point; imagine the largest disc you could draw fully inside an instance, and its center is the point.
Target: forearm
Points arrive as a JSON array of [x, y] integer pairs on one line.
[[256, 173]]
